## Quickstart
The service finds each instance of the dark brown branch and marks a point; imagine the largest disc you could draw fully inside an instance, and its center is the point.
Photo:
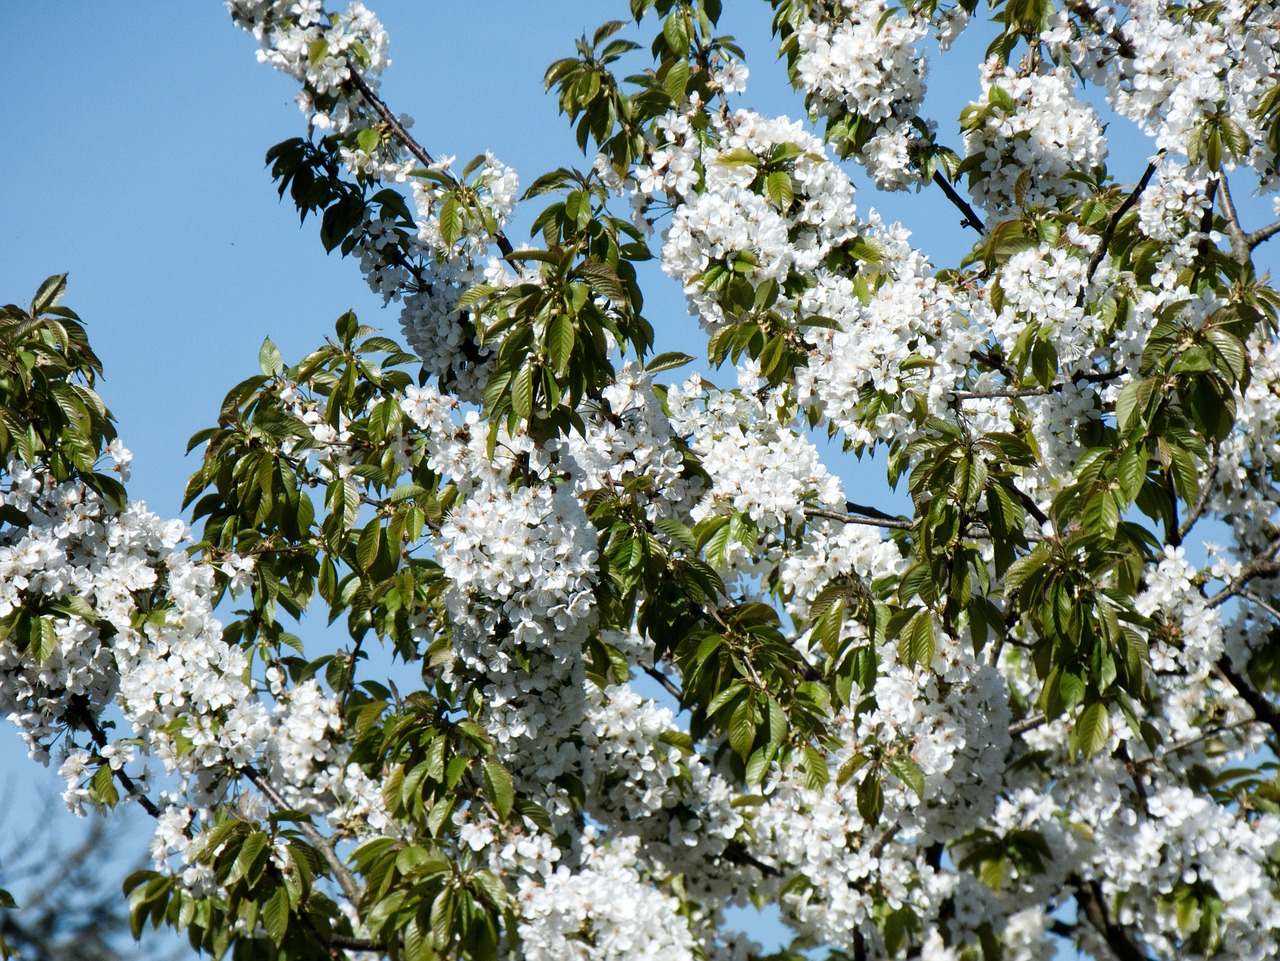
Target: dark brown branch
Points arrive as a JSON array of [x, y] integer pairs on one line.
[[667, 684], [867, 511], [1263, 564], [971, 219], [1262, 234], [345, 943], [1027, 501], [736, 853], [1109, 233], [893, 523], [1094, 909], [416, 149], [883, 841], [1062, 929], [100, 738], [1263, 710]]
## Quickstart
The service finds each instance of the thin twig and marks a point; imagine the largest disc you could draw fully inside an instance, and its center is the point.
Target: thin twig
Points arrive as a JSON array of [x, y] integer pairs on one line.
[[346, 880], [738, 854], [1094, 908], [1197, 509], [897, 524], [971, 219], [1264, 563], [1029, 723], [1109, 233], [410, 144], [1085, 12], [882, 842], [1263, 710], [100, 738], [1249, 595], [667, 684], [1205, 735]]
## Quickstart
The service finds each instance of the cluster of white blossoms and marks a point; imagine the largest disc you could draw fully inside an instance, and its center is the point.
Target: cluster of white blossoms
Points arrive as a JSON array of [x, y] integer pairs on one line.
[[628, 435], [734, 224], [1186, 71], [605, 912], [521, 567], [950, 722], [428, 273], [1028, 133], [130, 633], [759, 465], [864, 61], [318, 49]]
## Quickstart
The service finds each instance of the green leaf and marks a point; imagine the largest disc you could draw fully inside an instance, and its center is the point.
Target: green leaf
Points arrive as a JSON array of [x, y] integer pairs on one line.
[[667, 361], [49, 294], [871, 799], [677, 81], [269, 359], [451, 220], [1092, 729], [560, 338], [674, 32], [275, 915], [605, 281], [522, 391], [252, 858], [499, 787], [779, 189], [916, 645], [368, 139], [909, 774]]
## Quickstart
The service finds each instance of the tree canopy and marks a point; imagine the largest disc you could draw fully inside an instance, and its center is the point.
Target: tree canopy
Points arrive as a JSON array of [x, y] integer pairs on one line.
[[620, 653]]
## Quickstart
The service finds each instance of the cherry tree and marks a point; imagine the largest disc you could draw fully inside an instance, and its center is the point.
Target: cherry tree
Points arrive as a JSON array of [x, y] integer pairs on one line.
[[652, 660]]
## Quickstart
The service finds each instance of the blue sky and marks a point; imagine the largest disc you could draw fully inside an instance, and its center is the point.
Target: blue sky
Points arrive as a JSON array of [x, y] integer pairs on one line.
[[135, 163]]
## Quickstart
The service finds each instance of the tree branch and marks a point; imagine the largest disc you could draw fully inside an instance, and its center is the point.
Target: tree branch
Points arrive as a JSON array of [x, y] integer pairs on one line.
[[666, 683], [1262, 234], [355, 944], [1239, 241], [866, 511], [1010, 392], [342, 874], [1109, 233], [1263, 710], [894, 523], [1082, 10], [1262, 564], [1094, 908], [971, 219], [416, 149], [100, 738], [1029, 723]]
